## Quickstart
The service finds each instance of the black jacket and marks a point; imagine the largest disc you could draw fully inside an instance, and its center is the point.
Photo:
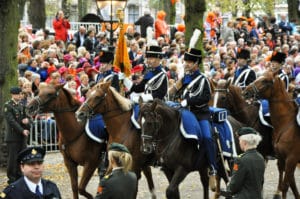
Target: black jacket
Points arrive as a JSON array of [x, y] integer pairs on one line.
[[14, 113], [144, 21], [118, 185], [20, 190]]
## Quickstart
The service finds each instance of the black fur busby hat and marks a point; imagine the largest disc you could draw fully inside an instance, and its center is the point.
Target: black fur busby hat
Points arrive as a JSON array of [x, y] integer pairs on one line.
[[243, 54], [106, 55], [278, 57], [194, 55], [154, 51]]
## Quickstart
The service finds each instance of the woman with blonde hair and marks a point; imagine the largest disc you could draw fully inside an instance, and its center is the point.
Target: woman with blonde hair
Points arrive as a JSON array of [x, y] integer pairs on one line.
[[120, 182]]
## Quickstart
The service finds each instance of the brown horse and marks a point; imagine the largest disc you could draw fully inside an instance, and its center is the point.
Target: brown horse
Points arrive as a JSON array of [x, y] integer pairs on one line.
[[76, 148], [116, 111], [230, 97], [286, 138]]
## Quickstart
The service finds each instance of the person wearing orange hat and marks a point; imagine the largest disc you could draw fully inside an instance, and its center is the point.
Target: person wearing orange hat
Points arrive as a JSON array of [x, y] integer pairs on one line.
[[210, 26], [161, 26]]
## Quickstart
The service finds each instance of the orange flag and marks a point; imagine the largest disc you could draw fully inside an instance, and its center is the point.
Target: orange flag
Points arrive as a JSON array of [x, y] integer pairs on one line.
[[121, 60]]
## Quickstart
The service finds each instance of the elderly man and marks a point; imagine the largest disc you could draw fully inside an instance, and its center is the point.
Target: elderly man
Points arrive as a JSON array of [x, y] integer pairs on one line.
[[248, 170]]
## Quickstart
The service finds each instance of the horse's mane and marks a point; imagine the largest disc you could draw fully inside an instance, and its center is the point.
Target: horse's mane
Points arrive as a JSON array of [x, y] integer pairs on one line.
[[70, 98], [167, 110], [123, 102]]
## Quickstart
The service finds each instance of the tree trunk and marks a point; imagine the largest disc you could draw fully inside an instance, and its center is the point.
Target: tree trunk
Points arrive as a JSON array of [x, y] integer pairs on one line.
[[194, 11], [9, 14], [169, 8], [37, 13], [82, 8], [65, 6], [21, 8], [294, 13]]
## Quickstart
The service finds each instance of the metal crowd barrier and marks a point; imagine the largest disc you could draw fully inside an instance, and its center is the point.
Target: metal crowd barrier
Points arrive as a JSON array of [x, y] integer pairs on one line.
[[44, 133]]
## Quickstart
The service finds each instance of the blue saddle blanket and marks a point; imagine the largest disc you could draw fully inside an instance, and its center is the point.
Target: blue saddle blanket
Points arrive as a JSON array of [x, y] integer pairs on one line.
[[264, 112], [95, 128], [135, 115]]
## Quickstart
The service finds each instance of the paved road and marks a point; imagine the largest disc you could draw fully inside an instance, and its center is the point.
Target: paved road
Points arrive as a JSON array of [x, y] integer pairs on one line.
[[189, 189]]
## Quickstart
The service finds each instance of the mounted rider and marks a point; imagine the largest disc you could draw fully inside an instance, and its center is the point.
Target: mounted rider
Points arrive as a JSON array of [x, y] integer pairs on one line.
[[196, 93], [155, 81], [244, 75], [277, 61], [106, 73]]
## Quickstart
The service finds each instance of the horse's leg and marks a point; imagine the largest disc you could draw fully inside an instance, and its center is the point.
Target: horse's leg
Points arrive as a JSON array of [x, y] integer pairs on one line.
[[87, 173], [148, 174], [72, 169], [169, 173], [280, 167], [204, 180], [172, 191], [289, 179], [218, 187]]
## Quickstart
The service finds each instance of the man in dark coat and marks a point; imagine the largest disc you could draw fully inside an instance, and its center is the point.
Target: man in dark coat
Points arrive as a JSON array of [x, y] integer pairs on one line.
[[31, 185], [155, 82], [18, 126], [145, 22], [248, 170], [243, 75]]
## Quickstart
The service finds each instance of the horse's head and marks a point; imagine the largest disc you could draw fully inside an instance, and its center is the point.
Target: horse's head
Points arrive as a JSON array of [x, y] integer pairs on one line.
[[261, 88], [150, 122], [45, 101], [220, 94], [95, 101]]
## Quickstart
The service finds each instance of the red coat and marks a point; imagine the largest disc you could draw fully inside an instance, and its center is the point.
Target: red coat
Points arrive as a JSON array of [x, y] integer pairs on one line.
[[61, 27]]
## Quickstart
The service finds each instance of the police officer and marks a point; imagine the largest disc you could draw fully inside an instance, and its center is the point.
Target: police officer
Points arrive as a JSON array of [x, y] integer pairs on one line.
[[18, 126], [155, 82], [196, 94], [31, 185], [120, 183], [243, 75], [248, 170], [277, 61], [106, 71]]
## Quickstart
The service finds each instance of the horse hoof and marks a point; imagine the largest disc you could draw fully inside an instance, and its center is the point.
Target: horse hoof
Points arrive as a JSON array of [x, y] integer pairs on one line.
[[277, 196], [212, 183]]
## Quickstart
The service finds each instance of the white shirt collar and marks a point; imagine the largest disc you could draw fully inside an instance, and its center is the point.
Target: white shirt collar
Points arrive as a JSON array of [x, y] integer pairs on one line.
[[32, 186]]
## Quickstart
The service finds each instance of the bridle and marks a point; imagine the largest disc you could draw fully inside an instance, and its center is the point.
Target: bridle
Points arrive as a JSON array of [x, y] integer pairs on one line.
[[42, 105]]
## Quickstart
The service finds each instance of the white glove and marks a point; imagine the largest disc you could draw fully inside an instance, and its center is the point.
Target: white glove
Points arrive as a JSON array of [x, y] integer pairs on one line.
[[121, 76], [183, 103], [127, 83], [147, 97]]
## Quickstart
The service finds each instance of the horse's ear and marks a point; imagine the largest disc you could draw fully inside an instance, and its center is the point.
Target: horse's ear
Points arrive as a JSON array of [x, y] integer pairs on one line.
[[153, 105], [140, 101], [106, 85], [228, 83], [57, 87]]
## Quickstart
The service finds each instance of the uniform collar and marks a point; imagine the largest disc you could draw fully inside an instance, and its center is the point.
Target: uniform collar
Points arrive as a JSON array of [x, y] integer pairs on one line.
[[32, 186]]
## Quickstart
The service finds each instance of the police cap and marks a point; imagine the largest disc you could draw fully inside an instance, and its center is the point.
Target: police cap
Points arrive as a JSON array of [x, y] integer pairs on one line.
[[31, 154], [15, 90]]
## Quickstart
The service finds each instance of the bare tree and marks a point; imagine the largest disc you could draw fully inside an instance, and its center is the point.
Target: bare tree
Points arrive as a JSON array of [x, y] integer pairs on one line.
[[9, 14], [293, 10], [194, 11], [37, 13]]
